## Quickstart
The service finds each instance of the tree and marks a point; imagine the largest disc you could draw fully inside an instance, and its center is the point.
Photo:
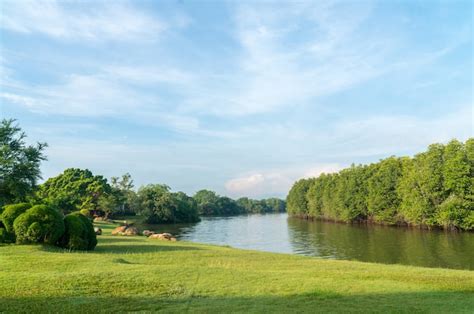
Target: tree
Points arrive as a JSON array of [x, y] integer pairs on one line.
[[421, 186], [159, 205], [122, 197], [382, 199], [75, 189], [227, 206], [296, 201], [19, 163], [275, 205], [456, 210], [207, 202]]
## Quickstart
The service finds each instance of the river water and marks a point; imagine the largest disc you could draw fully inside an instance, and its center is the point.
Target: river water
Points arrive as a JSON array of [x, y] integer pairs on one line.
[[379, 244]]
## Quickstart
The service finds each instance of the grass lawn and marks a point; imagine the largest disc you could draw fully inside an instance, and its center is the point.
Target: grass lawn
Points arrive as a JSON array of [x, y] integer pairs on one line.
[[138, 274]]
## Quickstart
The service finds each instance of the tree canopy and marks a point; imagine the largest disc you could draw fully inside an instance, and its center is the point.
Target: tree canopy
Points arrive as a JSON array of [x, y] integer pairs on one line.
[[433, 189], [74, 189]]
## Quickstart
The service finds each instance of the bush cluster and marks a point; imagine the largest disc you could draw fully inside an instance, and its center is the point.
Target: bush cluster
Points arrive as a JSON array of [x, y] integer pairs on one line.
[[26, 224], [39, 224], [7, 218]]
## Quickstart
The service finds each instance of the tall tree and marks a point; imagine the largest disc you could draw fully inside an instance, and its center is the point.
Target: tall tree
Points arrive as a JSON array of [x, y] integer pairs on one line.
[[123, 198], [19, 163]]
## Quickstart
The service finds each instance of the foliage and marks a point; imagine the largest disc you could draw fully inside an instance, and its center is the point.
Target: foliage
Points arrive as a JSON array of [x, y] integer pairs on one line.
[[19, 164], [383, 200], [270, 205], [74, 189], [79, 233], [207, 202], [433, 189], [296, 201], [10, 213], [122, 199], [159, 205], [39, 224], [211, 204]]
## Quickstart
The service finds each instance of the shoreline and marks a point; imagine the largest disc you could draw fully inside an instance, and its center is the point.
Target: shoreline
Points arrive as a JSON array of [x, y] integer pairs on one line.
[[368, 222]]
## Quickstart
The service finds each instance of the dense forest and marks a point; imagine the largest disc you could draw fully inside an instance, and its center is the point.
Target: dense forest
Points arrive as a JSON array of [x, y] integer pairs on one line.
[[432, 189], [94, 195]]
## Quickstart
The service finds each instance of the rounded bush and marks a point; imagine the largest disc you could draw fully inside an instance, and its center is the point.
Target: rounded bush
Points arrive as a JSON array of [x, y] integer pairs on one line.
[[10, 213], [79, 233], [39, 224]]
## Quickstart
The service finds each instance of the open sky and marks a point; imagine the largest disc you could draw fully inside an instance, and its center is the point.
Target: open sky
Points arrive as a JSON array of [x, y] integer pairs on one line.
[[242, 97]]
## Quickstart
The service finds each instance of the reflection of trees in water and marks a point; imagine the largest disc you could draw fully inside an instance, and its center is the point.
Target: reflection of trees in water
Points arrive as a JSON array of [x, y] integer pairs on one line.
[[382, 244]]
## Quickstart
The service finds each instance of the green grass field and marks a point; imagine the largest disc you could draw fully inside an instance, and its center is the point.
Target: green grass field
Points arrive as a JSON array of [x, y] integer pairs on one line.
[[137, 274]]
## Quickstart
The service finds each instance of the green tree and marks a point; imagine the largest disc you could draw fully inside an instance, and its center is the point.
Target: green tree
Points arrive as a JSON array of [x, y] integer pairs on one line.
[[296, 201], [75, 189], [421, 186], [159, 205], [383, 201], [275, 205], [456, 210], [19, 163], [121, 199], [207, 202]]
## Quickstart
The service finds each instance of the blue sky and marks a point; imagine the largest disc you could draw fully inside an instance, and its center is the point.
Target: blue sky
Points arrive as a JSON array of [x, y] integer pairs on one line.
[[242, 97]]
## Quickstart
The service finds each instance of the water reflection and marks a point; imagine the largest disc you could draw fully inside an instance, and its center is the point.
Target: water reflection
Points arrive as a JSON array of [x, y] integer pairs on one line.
[[382, 244], [278, 233]]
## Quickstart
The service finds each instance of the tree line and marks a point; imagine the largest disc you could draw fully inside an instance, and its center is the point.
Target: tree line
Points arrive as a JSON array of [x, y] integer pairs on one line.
[[93, 195], [434, 188]]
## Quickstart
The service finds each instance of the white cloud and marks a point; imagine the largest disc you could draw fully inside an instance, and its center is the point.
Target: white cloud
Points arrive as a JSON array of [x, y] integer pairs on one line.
[[275, 182], [316, 171], [92, 21]]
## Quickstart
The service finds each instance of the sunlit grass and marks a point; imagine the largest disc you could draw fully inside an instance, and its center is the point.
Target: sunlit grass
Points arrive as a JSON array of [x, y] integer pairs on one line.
[[138, 274]]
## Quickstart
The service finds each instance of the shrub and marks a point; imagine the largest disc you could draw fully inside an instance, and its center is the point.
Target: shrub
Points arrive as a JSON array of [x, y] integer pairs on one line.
[[10, 213], [79, 233], [6, 237], [39, 224]]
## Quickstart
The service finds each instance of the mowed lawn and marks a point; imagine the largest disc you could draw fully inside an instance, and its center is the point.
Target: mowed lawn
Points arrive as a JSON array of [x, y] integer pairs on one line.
[[139, 274]]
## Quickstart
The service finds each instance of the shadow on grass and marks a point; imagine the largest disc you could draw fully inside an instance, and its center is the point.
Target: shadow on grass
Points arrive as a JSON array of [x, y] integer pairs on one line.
[[117, 239], [318, 302], [137, 248], [122, 249]]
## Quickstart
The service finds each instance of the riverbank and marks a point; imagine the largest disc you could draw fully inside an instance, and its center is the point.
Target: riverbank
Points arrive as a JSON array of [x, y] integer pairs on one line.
[[139, 274]]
